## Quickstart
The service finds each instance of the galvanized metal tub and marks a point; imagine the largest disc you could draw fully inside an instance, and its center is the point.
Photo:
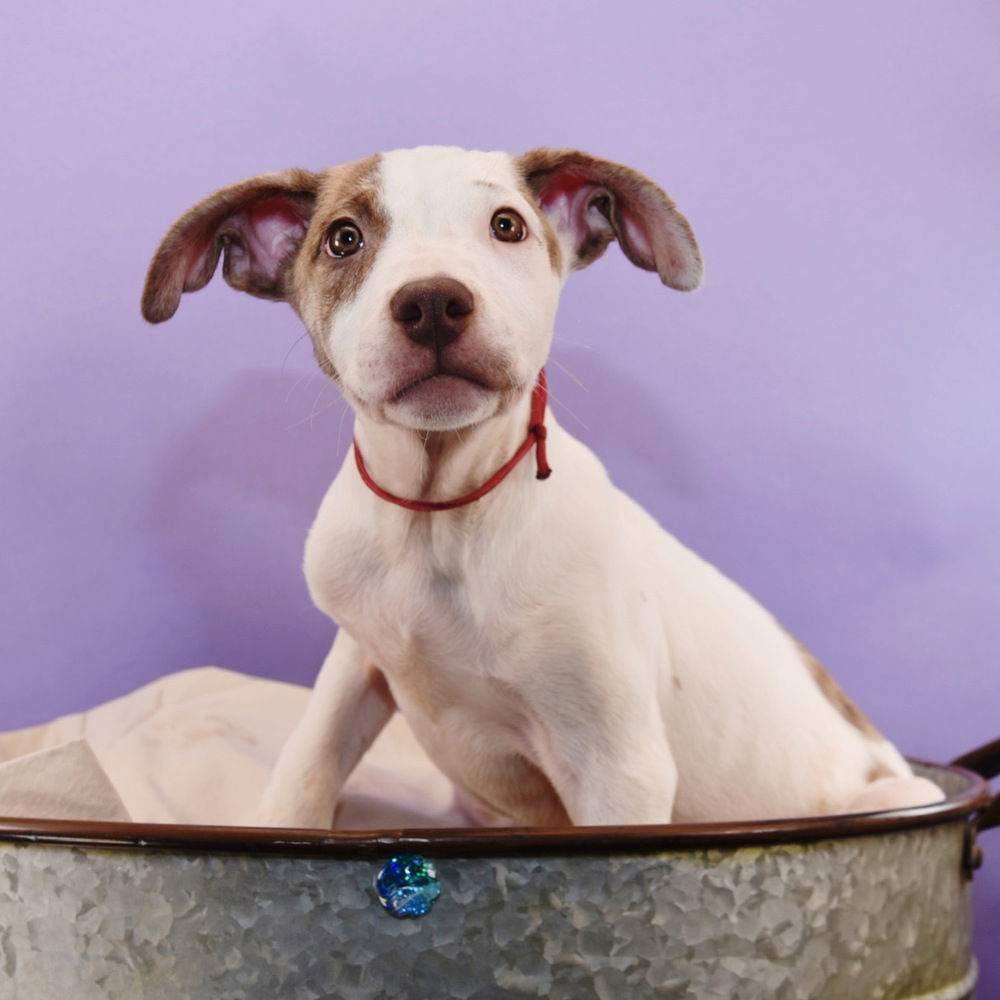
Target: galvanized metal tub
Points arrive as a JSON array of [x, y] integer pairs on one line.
[[875, 906]]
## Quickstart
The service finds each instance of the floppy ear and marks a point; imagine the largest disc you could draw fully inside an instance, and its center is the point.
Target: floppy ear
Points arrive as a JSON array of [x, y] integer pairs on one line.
[[259, 225], [590, 202]]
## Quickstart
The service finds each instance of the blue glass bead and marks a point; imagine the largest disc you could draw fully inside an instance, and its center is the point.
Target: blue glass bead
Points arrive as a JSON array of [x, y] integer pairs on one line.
[[408, 886]]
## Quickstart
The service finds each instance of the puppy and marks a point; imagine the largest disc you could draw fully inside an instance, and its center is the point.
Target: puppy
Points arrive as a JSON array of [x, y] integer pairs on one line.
[[562, 659]]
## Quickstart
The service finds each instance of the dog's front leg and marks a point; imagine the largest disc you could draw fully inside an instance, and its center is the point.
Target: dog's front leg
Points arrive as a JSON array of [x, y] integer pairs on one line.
[[607, 782], [625, 795], [349, 706]]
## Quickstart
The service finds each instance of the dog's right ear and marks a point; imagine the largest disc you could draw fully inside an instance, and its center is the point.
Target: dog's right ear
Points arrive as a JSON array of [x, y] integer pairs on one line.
[[258, 224]]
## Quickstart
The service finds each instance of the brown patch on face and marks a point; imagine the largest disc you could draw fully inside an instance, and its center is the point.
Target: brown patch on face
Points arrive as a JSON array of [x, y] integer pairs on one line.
[[835, 694], [549, 236], [322, 283]]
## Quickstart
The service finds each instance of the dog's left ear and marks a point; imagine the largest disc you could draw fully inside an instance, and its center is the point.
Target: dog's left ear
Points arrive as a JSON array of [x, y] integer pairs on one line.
[[590, 202]]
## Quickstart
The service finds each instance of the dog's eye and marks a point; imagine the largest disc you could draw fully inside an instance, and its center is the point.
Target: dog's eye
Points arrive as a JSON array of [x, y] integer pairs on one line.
[[508, 226], [343, 238]]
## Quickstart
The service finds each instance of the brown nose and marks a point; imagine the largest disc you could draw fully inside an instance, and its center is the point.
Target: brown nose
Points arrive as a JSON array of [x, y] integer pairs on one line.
[[433, 312]]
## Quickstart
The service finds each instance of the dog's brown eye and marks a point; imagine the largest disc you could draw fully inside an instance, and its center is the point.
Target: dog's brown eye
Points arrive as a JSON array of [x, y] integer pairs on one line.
[[343, 238], [508, 226]]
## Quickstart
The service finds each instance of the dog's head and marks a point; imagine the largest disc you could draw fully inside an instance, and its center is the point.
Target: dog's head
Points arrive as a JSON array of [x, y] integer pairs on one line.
[[427, 278]]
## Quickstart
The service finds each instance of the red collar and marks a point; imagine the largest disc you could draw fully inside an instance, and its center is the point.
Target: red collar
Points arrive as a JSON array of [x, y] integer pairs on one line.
[[536, 437]]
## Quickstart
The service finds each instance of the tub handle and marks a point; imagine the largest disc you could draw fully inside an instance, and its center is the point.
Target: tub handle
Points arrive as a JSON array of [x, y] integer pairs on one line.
[[985, 761]]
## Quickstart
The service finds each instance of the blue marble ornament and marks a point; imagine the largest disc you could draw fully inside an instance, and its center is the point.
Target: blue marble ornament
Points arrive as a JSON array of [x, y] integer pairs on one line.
[[408, 886]]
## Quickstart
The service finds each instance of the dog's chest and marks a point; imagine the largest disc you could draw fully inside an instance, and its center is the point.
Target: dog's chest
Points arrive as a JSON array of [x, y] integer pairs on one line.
[[458, 656], [432, 612]]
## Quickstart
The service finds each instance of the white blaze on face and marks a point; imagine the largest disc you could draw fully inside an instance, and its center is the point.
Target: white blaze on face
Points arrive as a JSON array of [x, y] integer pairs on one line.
[[440, 203]]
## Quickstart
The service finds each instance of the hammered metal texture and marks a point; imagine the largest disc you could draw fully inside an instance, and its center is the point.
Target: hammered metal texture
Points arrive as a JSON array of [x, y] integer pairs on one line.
[[879, 918]]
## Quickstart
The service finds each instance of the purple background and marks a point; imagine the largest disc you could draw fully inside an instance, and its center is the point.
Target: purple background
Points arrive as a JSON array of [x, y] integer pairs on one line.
[[820, 419]]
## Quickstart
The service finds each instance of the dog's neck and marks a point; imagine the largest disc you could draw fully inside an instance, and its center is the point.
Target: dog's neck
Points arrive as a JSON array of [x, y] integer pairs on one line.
[[437, 470]]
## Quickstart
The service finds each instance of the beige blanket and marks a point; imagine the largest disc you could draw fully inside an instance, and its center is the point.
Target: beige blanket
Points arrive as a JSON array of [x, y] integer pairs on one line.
[[197, 747]]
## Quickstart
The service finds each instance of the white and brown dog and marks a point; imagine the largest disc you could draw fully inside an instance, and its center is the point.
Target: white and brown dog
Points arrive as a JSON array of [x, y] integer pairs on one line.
[[561, 658]]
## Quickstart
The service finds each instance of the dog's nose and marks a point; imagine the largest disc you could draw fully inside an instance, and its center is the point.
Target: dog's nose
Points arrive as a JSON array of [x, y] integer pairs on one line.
[[433, 312]]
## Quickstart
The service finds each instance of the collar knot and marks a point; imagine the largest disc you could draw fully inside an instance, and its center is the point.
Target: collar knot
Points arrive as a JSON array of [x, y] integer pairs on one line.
[[540, 432]]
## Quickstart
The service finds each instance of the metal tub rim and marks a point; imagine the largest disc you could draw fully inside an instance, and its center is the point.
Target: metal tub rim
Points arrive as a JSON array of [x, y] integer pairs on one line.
[[973, 802]]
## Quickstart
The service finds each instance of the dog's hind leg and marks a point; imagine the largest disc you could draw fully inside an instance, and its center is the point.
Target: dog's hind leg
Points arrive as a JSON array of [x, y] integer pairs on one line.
[[895, 793], [348, 708]]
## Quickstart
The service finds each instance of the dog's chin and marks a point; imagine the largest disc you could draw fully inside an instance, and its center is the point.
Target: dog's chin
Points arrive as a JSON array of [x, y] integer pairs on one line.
[[442, 403]]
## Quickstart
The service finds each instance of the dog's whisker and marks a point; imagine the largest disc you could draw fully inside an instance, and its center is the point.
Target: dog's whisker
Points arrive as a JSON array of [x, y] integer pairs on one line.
[[315, 410], [340, 427], [291, 350], [313, 413], [569, 374], [319, 410], [570, 342], [303, 379], [563, 407]]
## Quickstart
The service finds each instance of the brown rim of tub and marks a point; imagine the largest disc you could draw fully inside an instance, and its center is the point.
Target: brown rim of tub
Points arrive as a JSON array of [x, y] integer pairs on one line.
[[975, 801]]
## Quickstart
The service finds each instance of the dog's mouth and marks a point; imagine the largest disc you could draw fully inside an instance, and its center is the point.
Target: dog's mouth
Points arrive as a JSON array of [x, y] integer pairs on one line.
[[443, 399], [440, 380]]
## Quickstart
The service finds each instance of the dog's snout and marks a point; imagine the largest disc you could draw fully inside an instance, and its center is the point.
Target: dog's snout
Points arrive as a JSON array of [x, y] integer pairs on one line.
[[433, 312]]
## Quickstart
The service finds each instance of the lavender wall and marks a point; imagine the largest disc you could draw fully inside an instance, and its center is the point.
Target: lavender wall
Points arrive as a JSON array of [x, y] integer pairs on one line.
[[820, 420]]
